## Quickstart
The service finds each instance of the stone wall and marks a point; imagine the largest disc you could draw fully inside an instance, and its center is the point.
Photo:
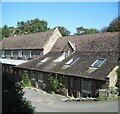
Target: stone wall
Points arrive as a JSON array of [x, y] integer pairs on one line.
[[53, 38], [112, 77], [73, 85]]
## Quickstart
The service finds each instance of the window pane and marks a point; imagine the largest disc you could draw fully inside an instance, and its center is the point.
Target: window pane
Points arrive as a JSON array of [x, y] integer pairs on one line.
[[86, 85], [98, 63], [72, 61]]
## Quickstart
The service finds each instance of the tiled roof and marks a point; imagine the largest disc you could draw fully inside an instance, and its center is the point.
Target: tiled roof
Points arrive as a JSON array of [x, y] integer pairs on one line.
[[80, 68], [94, 42], [29, 41]]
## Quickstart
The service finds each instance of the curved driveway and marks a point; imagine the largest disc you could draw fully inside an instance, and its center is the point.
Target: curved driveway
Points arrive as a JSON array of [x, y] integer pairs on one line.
[[45, 102]]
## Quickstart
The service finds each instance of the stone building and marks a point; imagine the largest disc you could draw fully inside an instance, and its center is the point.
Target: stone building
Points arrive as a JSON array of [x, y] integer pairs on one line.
[[85, 64], [28, 46]]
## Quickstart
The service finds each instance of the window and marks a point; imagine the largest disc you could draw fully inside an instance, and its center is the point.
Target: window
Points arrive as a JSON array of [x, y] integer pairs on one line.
[[98, 63], [30, 54], [68, 53], [12, 54], [20, 54], [72, 61], [3, 53], [86, 87], [60, 59], [40, 78]]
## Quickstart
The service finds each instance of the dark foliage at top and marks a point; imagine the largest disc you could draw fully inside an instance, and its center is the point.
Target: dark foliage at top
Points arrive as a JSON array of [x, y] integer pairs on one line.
[[12, 96]]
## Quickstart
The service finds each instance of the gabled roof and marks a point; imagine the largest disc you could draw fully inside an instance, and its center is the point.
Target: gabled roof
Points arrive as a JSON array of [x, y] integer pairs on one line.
[[89, 49], [94, 42], [29, 41], [81, 68]]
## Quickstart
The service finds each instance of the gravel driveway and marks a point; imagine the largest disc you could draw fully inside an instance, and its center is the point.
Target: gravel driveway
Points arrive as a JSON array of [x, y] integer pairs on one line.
[[45, 102]]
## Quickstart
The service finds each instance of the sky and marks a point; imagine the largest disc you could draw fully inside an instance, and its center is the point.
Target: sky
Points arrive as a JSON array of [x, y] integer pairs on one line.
[[68, 14]]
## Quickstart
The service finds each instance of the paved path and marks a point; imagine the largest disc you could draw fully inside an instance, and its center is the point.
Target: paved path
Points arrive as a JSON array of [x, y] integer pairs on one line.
[[45, 102]]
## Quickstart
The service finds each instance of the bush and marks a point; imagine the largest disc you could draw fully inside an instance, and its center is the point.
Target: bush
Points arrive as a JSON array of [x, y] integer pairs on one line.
[[55, 86], [12, 96], [98, 99], [25, 79], [53, 83]]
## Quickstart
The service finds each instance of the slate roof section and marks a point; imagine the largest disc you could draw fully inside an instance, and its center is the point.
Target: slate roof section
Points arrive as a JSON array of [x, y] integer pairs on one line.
[[29, 41], [79, 68], [94, 42], [89, 49]]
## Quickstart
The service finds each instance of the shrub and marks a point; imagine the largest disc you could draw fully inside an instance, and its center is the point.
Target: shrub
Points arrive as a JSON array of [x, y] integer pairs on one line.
[[26, 80], [55, 86], [12, 96], [53, 83]]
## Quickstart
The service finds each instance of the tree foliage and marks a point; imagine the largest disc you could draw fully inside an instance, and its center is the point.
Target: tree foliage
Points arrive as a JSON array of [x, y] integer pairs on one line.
[[25, 79], [82, 31], [55, 85], [5, 31], [114, 26], [31, 26], [12, 96], [64, 31], [25, 27]]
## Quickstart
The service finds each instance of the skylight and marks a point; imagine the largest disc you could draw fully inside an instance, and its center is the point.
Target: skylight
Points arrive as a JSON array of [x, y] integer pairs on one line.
[[72, 61], [98, 63]]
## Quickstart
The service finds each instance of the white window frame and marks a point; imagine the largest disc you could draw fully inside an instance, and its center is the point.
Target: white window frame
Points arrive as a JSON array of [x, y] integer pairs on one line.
[[84, 90], [68, 53], [20, 54], [99, 64], [70, 61], [12, 54], [30, 54], [3, 53]]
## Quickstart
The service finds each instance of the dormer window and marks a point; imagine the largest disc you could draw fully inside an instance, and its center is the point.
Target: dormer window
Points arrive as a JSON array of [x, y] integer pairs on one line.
[[3, 53], [68, 53], [20, 54], [98, 63]]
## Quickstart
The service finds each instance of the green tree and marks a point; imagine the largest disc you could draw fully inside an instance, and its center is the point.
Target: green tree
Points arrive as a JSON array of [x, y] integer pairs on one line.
[[81, 31], [5, 31], [63, 31], [25, 79], [31, 26], [114, 26], [12, 96], [53, 83]]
